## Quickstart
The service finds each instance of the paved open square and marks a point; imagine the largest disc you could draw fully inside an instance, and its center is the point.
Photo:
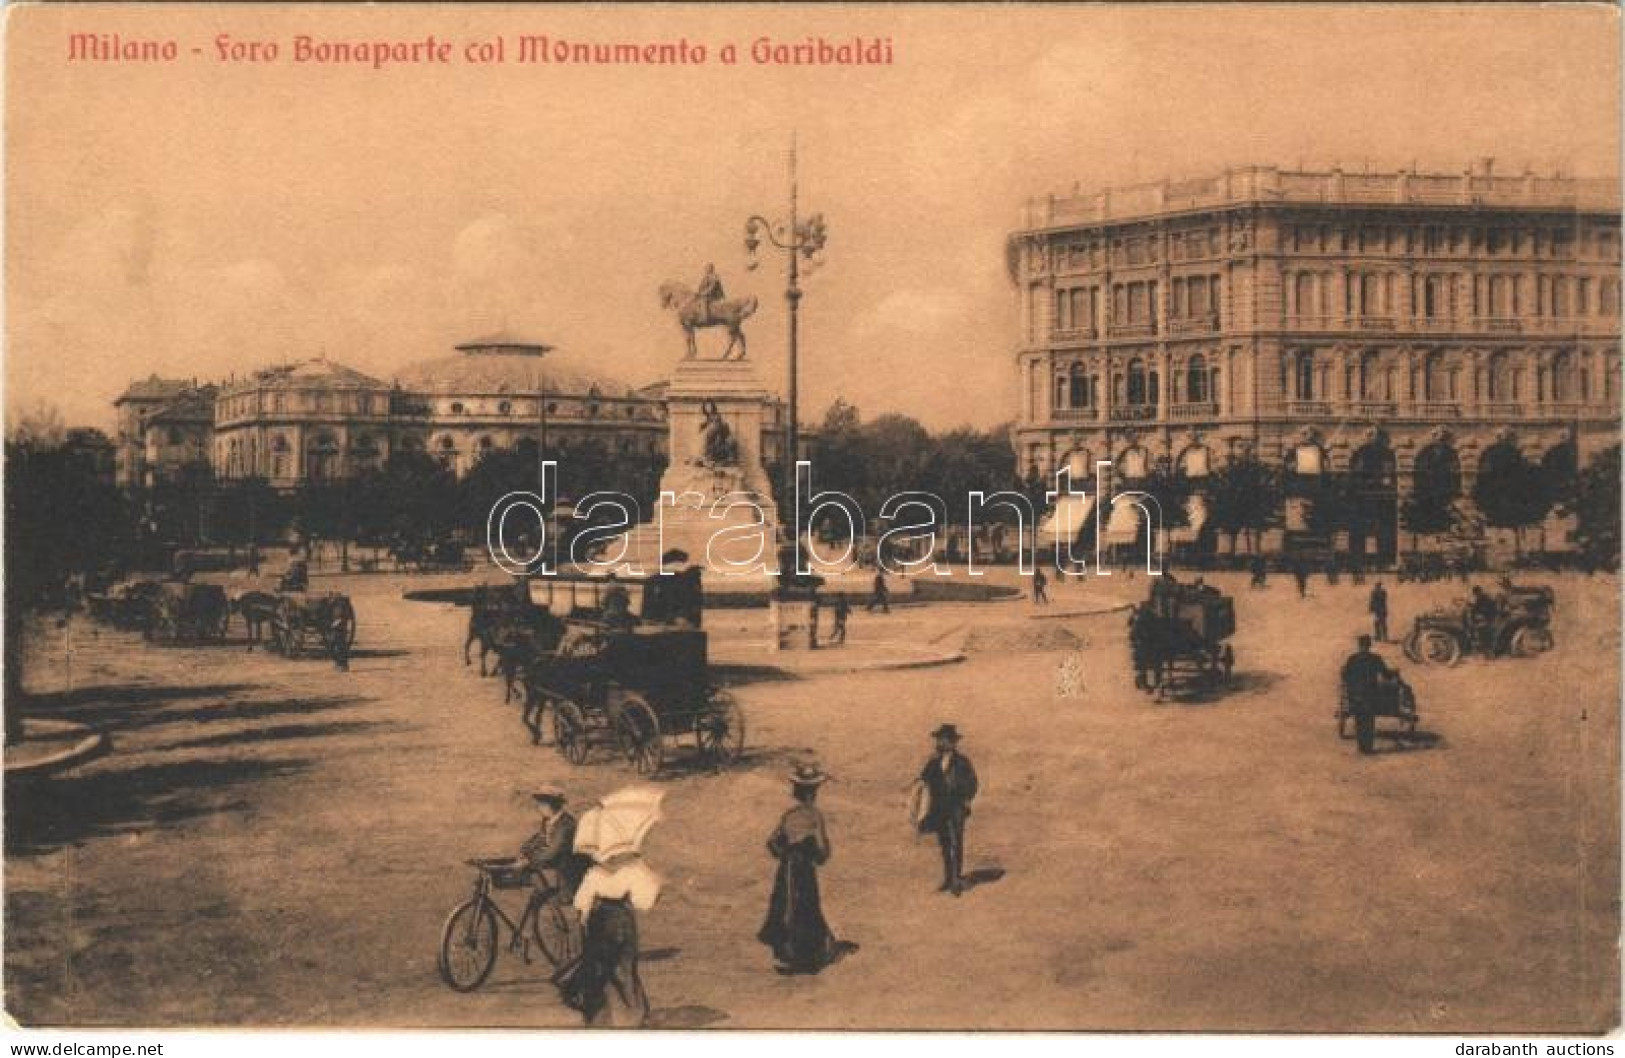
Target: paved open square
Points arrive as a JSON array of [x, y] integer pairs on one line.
[[276, 842]]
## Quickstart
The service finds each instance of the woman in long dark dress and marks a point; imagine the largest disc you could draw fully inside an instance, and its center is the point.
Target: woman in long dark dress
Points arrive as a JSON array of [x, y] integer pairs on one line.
[[795, 929]]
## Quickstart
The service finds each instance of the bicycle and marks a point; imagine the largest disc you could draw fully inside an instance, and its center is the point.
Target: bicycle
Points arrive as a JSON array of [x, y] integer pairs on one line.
[[469, 941]]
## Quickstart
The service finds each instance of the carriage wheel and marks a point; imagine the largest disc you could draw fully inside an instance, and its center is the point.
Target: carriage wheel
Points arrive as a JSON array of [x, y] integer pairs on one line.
[[570, 731], [1410, 647], [1530, 640], [468, 946], [343, 627], [1438, 647], [720, 731], [637, 730], [286, 629], [557, 930]]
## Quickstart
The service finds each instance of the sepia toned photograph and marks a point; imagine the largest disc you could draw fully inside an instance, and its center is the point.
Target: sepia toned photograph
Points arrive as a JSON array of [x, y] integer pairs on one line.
[[980, 518]]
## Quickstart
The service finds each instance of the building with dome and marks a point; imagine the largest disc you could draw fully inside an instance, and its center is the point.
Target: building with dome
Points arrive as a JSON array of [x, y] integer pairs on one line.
[[318, 420]]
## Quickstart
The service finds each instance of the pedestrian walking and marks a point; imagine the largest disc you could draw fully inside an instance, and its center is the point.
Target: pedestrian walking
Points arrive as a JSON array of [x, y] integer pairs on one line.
[[1300, 574], [1379, 612], [1260, 572], [603, 983], [795, 927], [945, 789], [1040, 581], [880, 596], [843, 610]]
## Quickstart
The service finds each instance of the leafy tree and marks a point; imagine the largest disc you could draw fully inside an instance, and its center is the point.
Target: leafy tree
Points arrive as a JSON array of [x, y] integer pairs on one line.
[[1510, 492], [61, 518], [1595, 506], [1245, 497], [411, 497], [1428, 509]]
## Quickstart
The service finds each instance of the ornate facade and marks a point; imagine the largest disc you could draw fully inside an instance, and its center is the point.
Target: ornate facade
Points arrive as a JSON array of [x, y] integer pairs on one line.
[[319, 420], [1330, 322]]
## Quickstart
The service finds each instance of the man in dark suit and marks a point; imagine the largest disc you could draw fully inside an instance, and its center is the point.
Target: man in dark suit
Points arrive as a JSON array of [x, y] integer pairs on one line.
[[1364, 676], [1379, 613], [950, 782]]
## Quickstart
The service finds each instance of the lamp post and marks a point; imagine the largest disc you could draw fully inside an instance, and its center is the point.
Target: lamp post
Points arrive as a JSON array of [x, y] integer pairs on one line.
[[798, 239]]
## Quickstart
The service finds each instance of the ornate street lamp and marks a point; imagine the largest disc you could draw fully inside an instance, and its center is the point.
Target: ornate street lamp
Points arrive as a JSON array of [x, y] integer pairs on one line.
[[800, 240]]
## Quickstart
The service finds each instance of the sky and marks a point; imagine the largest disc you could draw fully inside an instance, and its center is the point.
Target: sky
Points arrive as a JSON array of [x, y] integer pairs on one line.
[[200, 218]]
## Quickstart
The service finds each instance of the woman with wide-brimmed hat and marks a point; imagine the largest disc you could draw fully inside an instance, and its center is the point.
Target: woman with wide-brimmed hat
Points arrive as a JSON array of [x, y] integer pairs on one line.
[[795, 929]]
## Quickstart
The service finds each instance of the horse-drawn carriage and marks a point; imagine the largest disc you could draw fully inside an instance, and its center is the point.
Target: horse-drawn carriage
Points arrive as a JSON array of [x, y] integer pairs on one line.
[[182, 612], [446, 555], [304, 623], [1517, 623], [633, 672], [125, 604], [1178, 638]]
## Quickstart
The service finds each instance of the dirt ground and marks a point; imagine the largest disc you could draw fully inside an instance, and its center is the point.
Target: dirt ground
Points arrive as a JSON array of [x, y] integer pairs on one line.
[[273, 842]]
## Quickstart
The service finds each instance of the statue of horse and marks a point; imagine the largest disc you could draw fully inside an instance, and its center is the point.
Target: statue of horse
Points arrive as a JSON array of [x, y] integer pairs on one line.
[[693, 313]]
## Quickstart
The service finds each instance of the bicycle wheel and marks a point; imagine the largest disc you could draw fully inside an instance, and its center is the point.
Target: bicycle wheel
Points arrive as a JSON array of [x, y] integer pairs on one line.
[[468, 946], [557, 930]]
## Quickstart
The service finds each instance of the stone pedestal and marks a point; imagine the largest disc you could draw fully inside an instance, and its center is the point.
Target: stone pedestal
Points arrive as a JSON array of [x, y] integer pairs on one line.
[[746, 523]]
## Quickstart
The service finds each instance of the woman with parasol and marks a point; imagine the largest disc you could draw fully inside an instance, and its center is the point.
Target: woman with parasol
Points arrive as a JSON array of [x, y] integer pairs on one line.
[[795, 929], [603, 984]]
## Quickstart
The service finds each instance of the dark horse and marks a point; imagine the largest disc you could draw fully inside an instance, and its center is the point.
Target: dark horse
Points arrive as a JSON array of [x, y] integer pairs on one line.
[[693, 313]]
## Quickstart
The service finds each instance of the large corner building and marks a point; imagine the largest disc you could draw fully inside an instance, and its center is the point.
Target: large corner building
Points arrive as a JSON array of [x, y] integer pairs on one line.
[[1326, 322]]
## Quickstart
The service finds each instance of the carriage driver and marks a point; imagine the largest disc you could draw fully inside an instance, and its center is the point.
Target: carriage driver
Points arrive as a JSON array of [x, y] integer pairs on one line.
[[1363, 674], [550, 853]]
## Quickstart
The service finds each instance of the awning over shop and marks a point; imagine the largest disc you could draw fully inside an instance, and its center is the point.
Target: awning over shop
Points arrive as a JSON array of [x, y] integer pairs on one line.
[[1066, 520], [1123, 526], [1196, 515]]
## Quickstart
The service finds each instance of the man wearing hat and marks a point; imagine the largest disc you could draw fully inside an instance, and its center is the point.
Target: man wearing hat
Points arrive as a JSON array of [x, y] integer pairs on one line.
[[1363, 676], [950, 787]]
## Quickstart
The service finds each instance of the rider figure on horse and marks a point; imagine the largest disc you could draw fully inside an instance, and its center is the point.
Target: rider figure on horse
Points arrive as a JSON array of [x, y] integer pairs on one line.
[[709, 293]]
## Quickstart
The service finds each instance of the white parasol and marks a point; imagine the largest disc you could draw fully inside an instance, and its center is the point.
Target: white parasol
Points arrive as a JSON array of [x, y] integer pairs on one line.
[[618, 824]]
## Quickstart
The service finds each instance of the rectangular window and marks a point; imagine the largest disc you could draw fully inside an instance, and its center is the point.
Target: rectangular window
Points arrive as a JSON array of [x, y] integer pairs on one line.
[[1582, 297]]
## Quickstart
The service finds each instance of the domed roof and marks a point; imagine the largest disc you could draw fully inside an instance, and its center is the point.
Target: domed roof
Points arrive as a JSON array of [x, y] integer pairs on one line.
[[500, 365], [322, 372]]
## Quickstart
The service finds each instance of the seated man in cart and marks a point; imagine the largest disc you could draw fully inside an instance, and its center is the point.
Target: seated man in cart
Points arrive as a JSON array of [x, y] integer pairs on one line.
[[1365, 678], [550, 857]]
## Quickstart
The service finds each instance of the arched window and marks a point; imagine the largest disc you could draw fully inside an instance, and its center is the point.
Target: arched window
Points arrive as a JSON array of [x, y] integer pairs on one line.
[[1565, 384], [1132, 464], [1308, 304], [1196, 380], [1435, 380], [1137, 389], [1303, 375]]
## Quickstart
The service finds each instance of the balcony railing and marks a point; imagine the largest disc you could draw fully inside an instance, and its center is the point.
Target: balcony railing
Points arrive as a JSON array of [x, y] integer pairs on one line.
[[1374, 409], [1564, 409], [1072, 334], [1436, 409], [1074, 414], [1194, 410], [1606, 325], [1134, 412], [1132, 330], [1307, 408], [1501, 409], [1195, 324]]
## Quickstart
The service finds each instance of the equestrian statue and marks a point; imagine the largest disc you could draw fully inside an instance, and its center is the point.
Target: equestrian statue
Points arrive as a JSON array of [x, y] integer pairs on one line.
[[708, 307]]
